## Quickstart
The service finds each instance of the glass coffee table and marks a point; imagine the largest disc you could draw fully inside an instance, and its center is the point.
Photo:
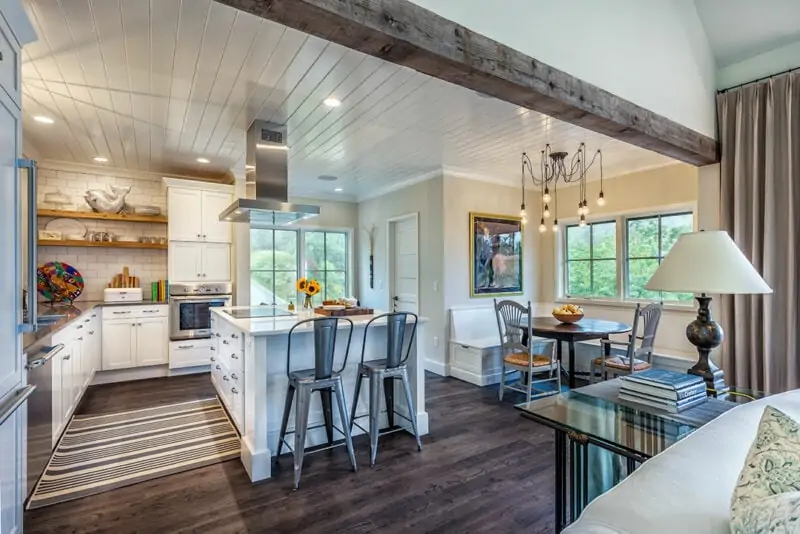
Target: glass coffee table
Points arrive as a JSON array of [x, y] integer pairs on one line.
[[601, 439]]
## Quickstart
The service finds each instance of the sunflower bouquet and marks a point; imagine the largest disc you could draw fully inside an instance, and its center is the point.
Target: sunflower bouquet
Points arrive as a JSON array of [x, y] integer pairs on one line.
[[309, 286]]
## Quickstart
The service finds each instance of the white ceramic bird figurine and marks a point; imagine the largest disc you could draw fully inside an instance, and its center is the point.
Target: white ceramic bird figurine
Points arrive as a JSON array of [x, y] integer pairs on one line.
[[105, 202]]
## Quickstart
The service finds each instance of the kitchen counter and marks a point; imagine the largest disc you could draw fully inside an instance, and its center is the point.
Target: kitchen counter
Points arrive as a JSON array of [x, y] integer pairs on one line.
[[72, 312], [281, 325]]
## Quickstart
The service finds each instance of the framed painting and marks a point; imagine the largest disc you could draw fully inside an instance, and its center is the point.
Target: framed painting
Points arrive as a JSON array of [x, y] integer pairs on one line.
[[496, 251]]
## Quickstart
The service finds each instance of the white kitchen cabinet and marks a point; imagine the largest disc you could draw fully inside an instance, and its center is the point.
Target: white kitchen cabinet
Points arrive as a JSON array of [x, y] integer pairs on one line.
[[78, 377], [214, 230], [119, 344], [199, 262], [151, 341], [216, 262], [194, 214], [185, 214], [191, 353], [67, 378], [135, 336]]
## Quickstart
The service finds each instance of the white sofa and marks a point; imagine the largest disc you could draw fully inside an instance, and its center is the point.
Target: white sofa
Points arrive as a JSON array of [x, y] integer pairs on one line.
[[686, 489]]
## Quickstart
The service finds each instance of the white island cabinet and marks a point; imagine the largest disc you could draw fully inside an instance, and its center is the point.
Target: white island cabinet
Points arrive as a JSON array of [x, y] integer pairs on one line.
[[248, 369]]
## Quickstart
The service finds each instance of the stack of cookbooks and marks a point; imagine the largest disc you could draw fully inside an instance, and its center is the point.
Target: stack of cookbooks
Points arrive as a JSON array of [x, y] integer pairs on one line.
[[666, 390]]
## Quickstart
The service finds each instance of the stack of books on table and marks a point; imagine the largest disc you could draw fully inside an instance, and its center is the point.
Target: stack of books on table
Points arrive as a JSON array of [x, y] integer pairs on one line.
[[666, 390]]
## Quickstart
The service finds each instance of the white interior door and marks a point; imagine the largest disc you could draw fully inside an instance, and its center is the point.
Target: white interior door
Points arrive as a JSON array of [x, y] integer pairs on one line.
[[404, 264]]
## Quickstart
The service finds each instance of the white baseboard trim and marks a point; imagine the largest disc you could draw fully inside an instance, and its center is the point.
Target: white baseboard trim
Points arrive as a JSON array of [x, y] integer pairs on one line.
[[467, 376], [144, 373], [438, 368], [258, 464]]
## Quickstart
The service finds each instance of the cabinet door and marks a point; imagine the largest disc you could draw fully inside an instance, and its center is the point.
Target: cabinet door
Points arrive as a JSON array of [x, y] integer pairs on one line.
[[89, 352], [10, 294], [214, 230], [12, 460], [185, 214], [216, 262], [78, 369], [67, 377], [185, 264], [119, 344], [152, 343], [56, 372]]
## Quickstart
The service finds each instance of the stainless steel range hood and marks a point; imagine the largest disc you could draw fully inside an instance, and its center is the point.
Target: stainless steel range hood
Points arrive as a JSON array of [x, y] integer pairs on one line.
[[268, 178]]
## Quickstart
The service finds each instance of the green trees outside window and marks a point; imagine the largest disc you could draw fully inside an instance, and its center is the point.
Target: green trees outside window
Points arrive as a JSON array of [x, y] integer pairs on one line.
[[594, 260], [275, 264]]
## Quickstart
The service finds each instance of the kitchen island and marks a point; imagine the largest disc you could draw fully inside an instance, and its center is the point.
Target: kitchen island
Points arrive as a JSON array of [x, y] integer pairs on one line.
[[249, 373]]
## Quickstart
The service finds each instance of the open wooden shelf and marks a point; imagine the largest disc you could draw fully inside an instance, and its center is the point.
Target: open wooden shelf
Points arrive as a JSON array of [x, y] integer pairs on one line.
[[126, 217], [102, 244]]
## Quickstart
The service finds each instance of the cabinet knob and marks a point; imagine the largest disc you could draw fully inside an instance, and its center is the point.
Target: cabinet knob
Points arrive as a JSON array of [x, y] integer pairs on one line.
[[234, 336], [218, 367], [212, 348], [67, 357], [234, 391], [234, 356], [91, 332], [79, 326], [80, 338], [225, 377], [86, 320], [225, 341], [233, 375], [198, 235], [213, 359]]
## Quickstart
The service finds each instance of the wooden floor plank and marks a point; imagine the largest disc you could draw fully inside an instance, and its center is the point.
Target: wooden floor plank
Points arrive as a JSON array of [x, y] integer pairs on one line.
[[482, 469]]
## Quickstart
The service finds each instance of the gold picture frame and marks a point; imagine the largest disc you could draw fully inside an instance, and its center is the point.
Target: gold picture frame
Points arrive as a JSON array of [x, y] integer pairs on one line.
[[496, 253]]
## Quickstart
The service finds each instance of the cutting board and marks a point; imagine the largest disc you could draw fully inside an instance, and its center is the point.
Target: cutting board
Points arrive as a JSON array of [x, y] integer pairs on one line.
[[344, 313]]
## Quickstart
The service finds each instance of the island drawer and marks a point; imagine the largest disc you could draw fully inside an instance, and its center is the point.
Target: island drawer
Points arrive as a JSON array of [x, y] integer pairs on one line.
[[190, 353]]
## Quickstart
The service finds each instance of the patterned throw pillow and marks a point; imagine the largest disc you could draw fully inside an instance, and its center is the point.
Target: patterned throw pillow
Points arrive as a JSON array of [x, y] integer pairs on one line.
[[767, 495]]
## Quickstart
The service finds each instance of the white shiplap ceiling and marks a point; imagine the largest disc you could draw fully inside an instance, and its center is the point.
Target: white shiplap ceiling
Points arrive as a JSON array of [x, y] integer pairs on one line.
[[155, 85]]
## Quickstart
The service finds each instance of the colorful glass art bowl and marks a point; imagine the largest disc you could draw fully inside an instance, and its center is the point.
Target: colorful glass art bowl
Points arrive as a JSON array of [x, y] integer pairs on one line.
[[58, 282]]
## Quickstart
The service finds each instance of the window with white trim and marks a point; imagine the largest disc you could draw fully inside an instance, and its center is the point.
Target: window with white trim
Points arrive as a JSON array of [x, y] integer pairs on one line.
[[613, 259], [280, 255]]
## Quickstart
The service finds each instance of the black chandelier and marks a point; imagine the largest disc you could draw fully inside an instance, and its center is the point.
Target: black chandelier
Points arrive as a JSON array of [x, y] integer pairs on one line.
[[553, 168]]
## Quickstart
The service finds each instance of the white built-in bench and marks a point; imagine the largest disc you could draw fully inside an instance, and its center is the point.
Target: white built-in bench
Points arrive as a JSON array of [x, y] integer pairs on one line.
[[475, 345]]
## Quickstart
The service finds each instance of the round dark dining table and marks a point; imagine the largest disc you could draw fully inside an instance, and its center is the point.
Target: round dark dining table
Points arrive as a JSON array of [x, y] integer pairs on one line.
[[584, 330]]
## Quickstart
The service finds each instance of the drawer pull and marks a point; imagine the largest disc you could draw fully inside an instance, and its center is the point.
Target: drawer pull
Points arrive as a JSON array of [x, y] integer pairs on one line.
[[150, 311], [225, 341], [86, 320], [80, 338], [217, 334], [67, 356], [121, 312], [185, 346], [213, 359], [218, 367], [225, 377], [212, 348], [233, 375], [234, 356], [91, 332], [234, 336], [79, 327], [234, 391]]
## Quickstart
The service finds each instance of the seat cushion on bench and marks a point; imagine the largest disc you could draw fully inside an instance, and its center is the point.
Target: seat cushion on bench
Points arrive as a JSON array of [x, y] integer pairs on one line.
[[521, 359], [620, 362]]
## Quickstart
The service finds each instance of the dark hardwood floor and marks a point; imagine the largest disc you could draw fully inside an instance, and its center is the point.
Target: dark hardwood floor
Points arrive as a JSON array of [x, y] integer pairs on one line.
[[483, 468]]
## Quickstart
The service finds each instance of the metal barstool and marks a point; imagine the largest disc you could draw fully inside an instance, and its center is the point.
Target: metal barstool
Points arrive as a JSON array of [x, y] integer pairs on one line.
[[322, 378], [385, 372]]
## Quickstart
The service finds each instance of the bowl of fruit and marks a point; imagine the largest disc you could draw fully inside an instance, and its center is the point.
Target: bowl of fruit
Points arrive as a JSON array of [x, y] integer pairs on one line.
[[568, 313]]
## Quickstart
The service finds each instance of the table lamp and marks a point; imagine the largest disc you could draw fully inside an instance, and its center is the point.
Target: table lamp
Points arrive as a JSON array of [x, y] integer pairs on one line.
[[707, 263]]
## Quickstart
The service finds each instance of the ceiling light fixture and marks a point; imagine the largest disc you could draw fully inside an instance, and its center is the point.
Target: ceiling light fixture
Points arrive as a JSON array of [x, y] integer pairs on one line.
[[100, 159], [332, 102], [203, 160], [553, 168], [43, 119]]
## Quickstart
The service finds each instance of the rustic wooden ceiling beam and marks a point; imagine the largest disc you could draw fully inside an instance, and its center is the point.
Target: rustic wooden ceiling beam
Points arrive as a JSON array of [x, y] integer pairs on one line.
[[406, 34]]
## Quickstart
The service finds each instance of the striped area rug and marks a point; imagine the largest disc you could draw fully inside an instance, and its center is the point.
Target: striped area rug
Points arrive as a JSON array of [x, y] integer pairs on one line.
[[103, 452]]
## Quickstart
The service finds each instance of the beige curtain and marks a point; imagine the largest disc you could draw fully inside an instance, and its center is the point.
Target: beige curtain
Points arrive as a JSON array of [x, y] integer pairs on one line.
[[759, 127]]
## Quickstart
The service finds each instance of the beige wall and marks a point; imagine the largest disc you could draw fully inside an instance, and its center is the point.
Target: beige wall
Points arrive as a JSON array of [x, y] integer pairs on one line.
[[673, 185], [426, 199], [463, 196]]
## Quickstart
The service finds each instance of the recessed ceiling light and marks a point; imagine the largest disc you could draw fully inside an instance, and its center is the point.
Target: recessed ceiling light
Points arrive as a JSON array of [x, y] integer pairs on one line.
[[100, 159], [332, 102], [338, 190], [43, 119], [203, 160]]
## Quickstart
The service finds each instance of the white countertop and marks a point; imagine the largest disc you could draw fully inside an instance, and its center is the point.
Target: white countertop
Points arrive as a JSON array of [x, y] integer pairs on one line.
[[281, 325]]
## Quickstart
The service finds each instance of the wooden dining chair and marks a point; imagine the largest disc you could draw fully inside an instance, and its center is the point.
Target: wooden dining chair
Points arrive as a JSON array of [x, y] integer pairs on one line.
[[636, 358], [515, 323]]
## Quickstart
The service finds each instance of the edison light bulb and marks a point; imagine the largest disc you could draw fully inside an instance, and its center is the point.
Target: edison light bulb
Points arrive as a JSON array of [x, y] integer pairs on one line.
[[546, 211], [546, 196], [585, 207], [601, 201], [542, 227], [522, 212], [583, 221], [555, 225]]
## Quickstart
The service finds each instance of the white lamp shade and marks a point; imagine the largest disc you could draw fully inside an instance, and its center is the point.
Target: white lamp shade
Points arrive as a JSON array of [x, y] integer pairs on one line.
[[707, 262]]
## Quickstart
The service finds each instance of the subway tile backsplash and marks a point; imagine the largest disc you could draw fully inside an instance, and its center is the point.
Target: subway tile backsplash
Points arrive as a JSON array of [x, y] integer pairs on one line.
[[99, 265]]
